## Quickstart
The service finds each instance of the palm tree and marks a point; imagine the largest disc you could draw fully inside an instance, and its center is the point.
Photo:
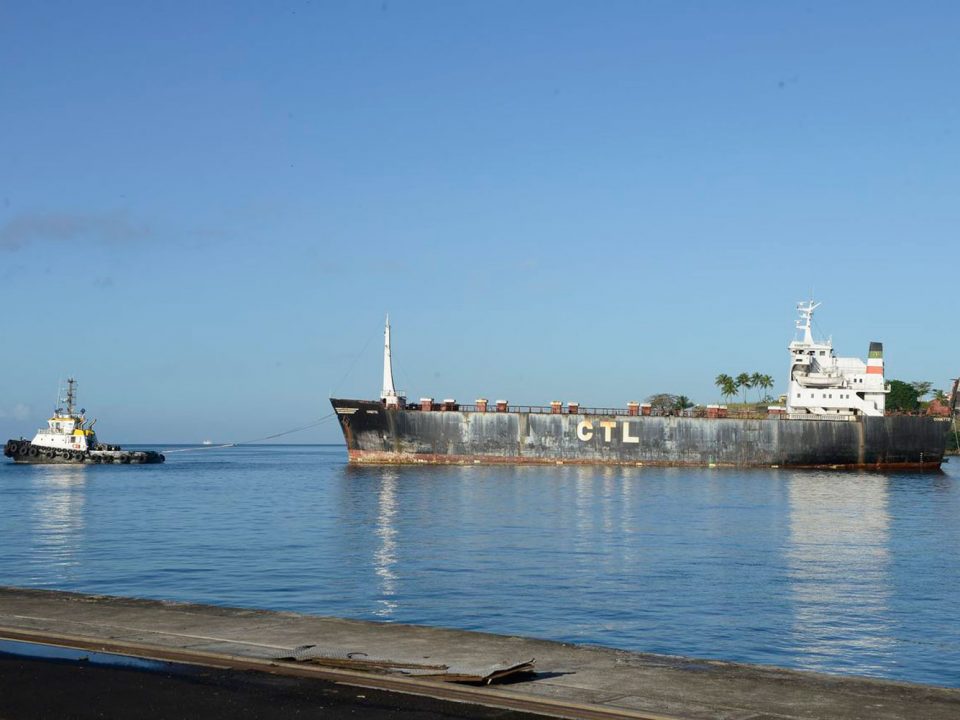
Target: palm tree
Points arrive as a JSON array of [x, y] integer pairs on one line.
[[725, 382], [730, 389], [766, 382], [743, 382], [682, 403], [756, 380], [922, 388]]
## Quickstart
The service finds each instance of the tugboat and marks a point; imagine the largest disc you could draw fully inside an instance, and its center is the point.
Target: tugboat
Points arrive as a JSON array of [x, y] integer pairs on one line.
[[70, 439]]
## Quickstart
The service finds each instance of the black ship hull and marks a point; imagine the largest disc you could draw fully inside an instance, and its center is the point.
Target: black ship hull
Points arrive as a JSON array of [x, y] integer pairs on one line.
[[375, 434], [23, 451]]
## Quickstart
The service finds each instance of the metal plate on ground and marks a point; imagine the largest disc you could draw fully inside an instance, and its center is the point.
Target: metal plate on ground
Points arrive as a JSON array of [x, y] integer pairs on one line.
[[423, 667]]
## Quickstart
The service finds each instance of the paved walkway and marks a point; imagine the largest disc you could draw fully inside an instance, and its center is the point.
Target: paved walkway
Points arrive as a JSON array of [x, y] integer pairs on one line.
[[570, 680], [34, 689]]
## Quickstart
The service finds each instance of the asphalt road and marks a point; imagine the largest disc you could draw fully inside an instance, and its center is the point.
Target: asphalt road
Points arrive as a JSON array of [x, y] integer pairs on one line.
[[32, 688]]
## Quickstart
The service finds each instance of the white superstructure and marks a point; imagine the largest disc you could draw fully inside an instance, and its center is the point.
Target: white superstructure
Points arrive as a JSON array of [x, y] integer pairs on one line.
[[68, 430], [823, 384]]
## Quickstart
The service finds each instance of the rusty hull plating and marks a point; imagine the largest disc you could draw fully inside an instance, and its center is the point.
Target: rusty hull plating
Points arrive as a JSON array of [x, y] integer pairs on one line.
[[376, 434]]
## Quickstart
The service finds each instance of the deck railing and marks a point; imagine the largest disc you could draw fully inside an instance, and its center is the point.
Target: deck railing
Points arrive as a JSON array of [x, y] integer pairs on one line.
[[491, 409], [532, 409]]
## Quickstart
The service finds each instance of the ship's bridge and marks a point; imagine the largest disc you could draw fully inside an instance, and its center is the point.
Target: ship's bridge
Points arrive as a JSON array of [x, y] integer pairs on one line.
[[67, 429], [61, 424]]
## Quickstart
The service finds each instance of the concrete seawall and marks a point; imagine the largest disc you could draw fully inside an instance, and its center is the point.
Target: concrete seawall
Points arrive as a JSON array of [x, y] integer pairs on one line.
[[374, 434], [570, 680]]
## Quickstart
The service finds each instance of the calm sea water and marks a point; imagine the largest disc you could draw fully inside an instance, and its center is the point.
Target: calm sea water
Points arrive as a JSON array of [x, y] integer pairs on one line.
[[855, 573]]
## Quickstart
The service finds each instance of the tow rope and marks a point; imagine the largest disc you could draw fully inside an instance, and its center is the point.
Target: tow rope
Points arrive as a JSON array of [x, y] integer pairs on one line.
[[315, 423]]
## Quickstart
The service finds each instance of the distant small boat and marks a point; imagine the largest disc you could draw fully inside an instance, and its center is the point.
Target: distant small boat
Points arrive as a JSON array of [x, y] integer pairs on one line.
[[207, 442]]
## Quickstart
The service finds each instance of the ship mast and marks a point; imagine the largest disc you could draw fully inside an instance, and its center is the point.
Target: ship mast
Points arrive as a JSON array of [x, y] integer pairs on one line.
[[389, 393], [71, 396], [806, 320]]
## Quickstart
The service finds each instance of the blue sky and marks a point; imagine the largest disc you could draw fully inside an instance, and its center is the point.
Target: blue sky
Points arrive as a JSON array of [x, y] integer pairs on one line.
[[207, 208]]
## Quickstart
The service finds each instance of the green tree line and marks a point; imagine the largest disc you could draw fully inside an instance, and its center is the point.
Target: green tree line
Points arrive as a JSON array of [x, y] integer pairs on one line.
[[908, 396], [730, 386]]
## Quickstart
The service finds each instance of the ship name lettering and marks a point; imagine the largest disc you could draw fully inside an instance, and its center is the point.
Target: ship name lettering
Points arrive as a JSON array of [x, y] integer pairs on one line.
[[585, 430], [608, 426]]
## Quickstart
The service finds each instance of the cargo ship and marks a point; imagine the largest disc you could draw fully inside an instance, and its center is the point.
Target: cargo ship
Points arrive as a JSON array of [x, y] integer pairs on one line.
[[834, 416], [69, 438]]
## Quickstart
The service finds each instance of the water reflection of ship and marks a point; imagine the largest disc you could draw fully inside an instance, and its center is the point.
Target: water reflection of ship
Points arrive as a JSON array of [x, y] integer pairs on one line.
[[385, 556], [838, 562], [59, 520]]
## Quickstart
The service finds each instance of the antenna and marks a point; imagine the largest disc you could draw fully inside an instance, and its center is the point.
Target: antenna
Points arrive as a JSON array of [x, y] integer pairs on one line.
[[71, 396], [806, 319]]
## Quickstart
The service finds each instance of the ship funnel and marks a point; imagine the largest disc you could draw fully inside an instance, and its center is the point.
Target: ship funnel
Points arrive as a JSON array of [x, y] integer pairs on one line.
[[875, 359]]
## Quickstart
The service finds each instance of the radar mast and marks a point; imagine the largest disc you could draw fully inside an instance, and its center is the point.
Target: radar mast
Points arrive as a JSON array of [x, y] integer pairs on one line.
[[71, 396], [806, 320]]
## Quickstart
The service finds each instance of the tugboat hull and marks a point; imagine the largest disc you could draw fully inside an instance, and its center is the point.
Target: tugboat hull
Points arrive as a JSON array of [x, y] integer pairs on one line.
[[24, 451]]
